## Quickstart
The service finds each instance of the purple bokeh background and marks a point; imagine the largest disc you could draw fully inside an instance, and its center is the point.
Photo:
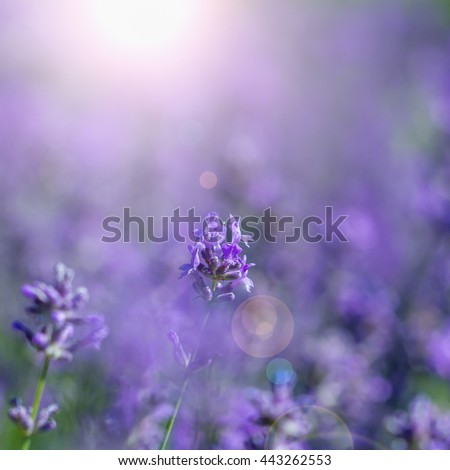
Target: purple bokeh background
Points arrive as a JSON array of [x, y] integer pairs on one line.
[[292, 105]]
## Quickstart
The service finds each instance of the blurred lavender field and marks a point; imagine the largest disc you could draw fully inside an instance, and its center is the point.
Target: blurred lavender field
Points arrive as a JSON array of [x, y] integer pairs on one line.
[[296, 105]]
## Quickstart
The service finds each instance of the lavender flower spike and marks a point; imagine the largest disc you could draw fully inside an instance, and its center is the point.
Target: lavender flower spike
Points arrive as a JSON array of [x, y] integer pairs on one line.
[[217, 266], [59, 333], [59, 296], [56, 307]]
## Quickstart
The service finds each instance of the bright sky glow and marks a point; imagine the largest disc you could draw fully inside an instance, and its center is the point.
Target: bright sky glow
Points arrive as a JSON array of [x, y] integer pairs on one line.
[[140, 27]]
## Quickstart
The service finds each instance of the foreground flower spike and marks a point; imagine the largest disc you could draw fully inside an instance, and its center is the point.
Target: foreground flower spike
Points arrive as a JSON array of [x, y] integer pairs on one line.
[[54, 308], [60, 331], [217, 265]]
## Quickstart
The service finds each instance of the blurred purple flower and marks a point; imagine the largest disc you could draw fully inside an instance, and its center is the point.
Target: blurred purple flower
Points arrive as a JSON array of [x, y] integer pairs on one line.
[[252, 414], [439, 351], [432, 197], [54, 310], [141, 411], [424, 426], [57, 297], [348, 378]]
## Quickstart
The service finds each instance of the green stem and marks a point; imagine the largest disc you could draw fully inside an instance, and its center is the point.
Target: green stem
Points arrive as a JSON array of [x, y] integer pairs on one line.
[[186, 377], [37, 400], [174, 414]]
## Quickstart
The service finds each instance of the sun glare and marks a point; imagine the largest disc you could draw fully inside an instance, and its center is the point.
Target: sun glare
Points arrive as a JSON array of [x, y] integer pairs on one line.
[[143, 26]]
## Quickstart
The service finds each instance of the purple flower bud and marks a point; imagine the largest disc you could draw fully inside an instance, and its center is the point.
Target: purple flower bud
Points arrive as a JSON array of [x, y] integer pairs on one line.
[[232, 275], [58, 318], [48, 426], [41, 340], [63, 277], [222, 269], [203, 290], [29, 291], [63, 335], [58, 347], [52, 295], [246, 282], [185, 270], [235, 230], [195, 251], [237, 236], [214, 230], [21, 415], [95, 338], [214, 263], [228, 297], [45, 421], [80, 297], [230, 250], [19, 326], [99, 331], [178, 352]]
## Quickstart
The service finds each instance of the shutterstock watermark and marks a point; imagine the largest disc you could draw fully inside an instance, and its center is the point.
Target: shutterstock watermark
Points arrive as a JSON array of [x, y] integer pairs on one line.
[[129, 228]]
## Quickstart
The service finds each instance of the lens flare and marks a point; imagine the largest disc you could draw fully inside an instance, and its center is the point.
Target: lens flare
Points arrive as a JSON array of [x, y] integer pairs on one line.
[[279, 371], [262, 326], [310, 427], [208, 180]]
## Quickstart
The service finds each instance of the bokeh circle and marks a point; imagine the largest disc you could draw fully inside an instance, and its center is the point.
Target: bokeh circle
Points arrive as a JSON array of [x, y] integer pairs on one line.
[[309, 428], [208, 180], [279, 371], [262, 326]]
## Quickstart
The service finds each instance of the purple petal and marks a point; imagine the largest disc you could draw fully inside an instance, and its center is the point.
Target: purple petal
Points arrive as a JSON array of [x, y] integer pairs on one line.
[[19, 326]]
